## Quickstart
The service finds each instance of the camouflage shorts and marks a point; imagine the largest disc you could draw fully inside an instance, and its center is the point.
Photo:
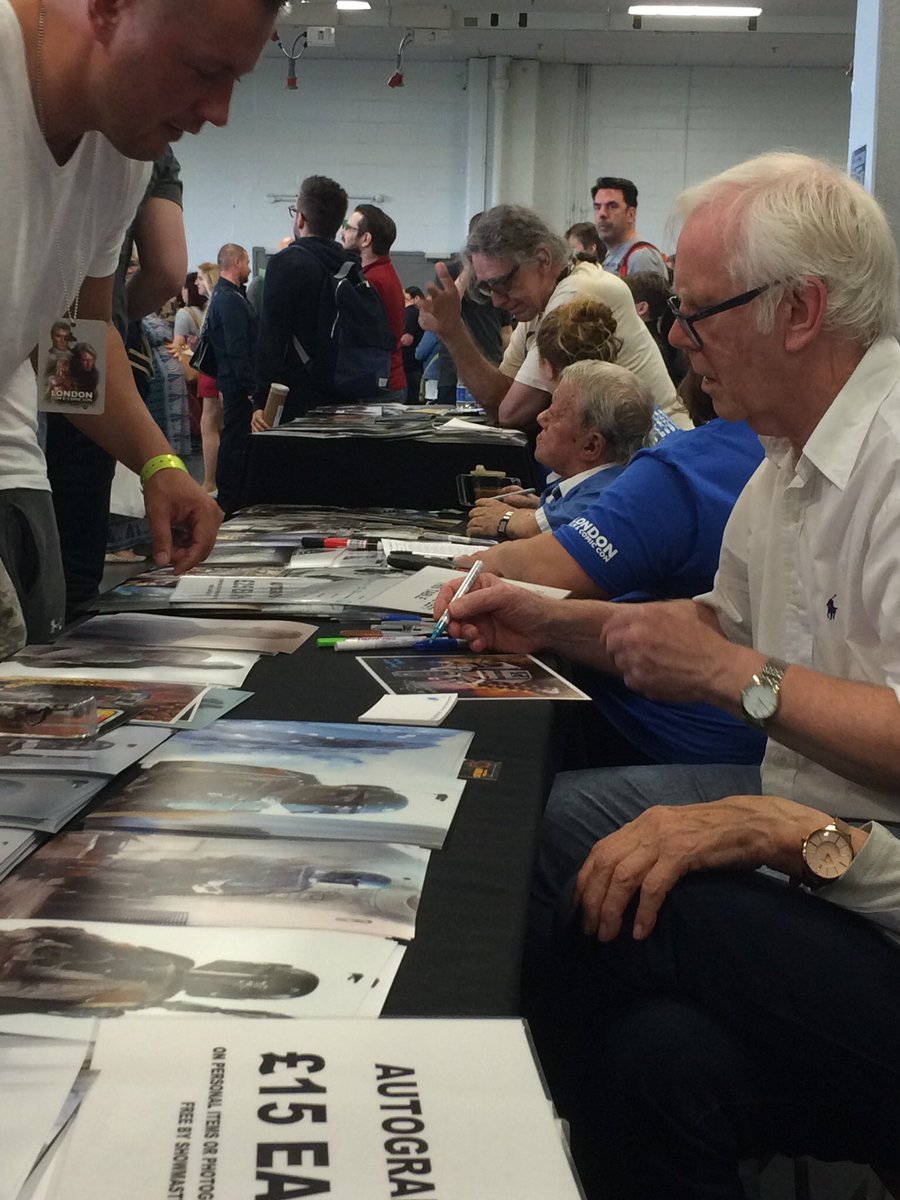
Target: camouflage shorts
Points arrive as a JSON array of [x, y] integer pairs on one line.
[[12, 624]]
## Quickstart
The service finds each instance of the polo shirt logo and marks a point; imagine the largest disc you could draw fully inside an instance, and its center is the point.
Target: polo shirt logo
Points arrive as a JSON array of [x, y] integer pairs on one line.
[[599, 543], [831, 607]]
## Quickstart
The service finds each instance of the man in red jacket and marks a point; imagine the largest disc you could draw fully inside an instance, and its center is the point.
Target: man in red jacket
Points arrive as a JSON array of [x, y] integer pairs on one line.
[[370, 233]]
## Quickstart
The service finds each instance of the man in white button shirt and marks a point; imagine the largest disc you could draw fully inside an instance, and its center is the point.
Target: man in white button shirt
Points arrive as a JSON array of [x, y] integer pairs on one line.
[[725, 1015]]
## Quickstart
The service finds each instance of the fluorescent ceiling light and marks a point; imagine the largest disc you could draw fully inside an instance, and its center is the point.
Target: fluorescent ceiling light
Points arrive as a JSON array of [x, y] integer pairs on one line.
[[689, 10], [353, 5]]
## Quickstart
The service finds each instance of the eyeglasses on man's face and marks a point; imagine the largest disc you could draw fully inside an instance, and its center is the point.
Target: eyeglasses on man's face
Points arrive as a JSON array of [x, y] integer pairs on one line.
[[687, 321], [345, 225], [501, 284], [292, 209]]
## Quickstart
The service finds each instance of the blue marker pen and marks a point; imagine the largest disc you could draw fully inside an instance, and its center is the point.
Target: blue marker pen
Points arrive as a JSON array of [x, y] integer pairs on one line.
[[443, 621]]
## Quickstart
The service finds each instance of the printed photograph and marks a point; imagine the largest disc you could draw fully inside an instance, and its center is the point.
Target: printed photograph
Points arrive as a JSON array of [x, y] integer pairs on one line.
[[150, 703], [156, 879], [471, 676], [75, 969]]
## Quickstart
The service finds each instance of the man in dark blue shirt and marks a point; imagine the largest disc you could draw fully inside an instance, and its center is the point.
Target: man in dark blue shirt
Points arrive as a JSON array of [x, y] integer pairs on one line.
[[231, 328]]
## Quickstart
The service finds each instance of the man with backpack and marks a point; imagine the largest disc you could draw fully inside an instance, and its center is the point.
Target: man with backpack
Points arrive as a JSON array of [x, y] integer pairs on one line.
[[370, 232], [615, 212], [323, 331]]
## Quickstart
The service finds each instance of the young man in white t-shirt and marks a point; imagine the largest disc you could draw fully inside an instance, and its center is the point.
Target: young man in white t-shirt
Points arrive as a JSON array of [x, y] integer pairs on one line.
[[86, 87]]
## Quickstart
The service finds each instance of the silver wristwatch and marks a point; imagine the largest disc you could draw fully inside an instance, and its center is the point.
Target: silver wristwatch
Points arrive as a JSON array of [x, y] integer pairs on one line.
[[760, 698]]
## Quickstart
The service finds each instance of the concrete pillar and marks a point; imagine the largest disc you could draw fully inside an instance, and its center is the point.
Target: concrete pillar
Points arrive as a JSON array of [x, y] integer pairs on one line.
[[477, 137], [874, 144], [499, 96]]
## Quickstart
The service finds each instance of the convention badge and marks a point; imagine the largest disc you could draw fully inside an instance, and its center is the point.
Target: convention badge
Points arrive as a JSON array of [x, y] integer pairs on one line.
[[71, 367]]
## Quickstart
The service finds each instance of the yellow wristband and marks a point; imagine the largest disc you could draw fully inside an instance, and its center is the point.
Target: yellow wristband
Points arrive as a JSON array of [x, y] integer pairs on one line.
[[159, 463]]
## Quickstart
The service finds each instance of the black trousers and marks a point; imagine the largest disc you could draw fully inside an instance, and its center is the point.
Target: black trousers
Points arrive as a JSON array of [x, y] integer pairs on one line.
[[756, 1018], [234, 449], [81, 475]]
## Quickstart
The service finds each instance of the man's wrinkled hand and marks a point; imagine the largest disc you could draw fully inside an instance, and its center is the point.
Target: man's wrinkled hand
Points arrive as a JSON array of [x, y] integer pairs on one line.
[[671, 651], [494, 615], [648, 856], [484, 517], [441, 310]]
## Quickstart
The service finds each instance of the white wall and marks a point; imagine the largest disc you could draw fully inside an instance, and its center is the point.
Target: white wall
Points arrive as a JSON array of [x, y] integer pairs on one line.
[[668, 127], [664, 127], [406, 144]]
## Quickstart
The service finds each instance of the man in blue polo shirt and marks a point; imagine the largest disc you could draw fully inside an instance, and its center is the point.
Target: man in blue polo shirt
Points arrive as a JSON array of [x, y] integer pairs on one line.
[[654, 534], [600, 416]]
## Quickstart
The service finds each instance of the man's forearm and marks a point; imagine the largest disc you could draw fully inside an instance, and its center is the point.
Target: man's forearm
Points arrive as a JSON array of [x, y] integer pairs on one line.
[[573, 628], [541, 559], [162, 250], [148, 290], [852, 729]]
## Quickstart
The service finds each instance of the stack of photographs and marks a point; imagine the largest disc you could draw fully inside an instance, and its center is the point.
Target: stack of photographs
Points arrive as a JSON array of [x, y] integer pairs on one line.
[[282, 779], [264, 544], [44, 783], [252, 868]]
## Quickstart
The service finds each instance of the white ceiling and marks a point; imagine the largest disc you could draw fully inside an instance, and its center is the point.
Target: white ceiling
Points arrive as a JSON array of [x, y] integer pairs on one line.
[[790, 33]]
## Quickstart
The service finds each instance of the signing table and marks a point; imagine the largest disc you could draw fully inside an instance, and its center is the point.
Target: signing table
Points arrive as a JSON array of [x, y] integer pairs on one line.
[[466, 955], [403, 472]]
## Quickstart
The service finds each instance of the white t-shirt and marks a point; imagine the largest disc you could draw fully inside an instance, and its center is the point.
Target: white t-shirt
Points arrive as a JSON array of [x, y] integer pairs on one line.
[[587, 281], [58, 225], [810, 566]]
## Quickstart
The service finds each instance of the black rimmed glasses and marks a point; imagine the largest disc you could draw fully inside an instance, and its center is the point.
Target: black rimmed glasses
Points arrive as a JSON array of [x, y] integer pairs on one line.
[[687, 321], [292, 209], [500, 285]]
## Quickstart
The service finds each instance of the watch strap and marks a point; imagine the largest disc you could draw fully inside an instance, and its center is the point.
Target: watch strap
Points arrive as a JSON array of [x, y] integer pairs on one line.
[[773, 672], [770, 676], [503, 522]]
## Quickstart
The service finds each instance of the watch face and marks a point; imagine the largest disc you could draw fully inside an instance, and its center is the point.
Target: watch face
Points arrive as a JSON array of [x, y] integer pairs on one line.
[[759, 701], [828, 853]]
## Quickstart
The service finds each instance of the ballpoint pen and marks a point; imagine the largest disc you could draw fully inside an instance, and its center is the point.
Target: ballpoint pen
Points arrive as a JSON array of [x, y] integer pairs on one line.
[[443, 621], [429, 645]]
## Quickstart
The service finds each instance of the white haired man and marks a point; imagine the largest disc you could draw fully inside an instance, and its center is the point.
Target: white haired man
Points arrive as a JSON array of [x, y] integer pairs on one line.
[[599, 418], [86, 88], [711, 1012], [524, 267]]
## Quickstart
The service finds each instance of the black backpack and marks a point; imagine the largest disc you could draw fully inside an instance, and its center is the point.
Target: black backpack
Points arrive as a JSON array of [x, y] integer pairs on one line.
[[360, 337]]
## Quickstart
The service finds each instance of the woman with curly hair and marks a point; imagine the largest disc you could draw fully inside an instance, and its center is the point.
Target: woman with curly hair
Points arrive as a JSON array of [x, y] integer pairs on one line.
[[600, 416]]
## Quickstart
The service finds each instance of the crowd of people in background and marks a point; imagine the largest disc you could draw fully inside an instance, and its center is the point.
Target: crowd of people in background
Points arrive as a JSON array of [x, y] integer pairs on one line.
[[276, 325]]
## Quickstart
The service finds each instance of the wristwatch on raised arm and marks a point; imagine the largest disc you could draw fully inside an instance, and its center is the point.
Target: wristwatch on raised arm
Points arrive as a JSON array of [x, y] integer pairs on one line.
[[760, 698], [827, 853]]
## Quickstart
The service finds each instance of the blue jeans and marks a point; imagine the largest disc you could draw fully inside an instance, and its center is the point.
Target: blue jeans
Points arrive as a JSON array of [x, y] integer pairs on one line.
[[585, 806]]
